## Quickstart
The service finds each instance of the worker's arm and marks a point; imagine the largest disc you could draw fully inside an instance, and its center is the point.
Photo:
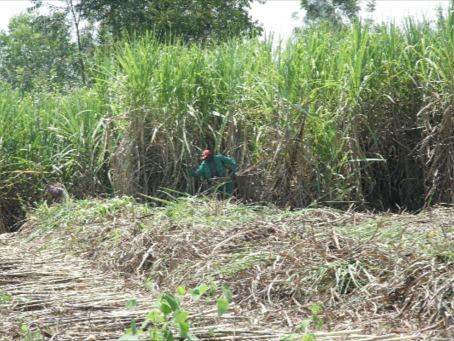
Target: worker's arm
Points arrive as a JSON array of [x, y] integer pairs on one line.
[[199, 171], [229, 161]]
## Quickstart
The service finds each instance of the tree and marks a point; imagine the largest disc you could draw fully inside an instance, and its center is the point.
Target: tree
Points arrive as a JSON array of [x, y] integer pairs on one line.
[[335, 11], [192, 20], [76, 21], [83, 29], [37, 53]]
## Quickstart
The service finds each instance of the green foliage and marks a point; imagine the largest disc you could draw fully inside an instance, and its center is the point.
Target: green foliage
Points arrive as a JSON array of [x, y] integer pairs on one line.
[[81, 212], [28, 334], [339, 117], [162, 323], [188, 20], [37, 53], [5, 298], [131, 304], [335, 11], [223, 306], [199, 291], [227, 293], [61, 138]]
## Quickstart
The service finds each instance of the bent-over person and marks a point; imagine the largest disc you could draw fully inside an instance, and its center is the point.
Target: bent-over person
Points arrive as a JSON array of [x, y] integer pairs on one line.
[[57, 192], [216, 166]]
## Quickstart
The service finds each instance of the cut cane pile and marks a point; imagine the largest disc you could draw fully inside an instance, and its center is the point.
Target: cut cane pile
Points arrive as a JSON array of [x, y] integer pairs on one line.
[[70, 270]]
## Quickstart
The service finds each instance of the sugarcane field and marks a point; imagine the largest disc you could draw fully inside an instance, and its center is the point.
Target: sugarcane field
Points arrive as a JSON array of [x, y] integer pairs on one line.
[[171, 171]]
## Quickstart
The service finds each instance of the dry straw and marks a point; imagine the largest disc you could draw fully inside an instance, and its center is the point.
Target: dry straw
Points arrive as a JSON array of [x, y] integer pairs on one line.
[[386, 275]]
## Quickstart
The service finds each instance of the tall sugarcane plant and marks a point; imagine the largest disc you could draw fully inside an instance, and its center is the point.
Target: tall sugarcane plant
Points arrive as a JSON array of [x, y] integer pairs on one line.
[[361, 115]]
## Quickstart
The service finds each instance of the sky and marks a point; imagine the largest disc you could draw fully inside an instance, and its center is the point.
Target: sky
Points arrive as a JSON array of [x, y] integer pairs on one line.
[[276, 15]]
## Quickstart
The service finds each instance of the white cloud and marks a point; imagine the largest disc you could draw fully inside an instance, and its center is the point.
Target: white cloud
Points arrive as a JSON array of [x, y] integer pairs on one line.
[[10, 8], [276, 15]]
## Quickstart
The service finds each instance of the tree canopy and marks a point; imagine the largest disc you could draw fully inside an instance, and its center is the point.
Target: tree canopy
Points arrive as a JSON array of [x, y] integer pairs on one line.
[[49, 52], [335, 11], [37, 53], [192, 20]]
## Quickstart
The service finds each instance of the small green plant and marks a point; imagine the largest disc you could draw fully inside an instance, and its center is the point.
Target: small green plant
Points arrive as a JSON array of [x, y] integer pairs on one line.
[[169, 318], [315, 322], [5, 298], [30, 335]]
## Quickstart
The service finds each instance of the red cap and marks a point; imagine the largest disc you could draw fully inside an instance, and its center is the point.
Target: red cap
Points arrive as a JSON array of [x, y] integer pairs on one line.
[[205, 154]]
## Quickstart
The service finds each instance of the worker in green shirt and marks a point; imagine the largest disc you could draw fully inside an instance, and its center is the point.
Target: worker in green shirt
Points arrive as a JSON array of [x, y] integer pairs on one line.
[[216, 166]]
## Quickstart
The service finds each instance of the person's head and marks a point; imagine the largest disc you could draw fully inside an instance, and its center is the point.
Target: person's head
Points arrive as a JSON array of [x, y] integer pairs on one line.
[[207, 155]]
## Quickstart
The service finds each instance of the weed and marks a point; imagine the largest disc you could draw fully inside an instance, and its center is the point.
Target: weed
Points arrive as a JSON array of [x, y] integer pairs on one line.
[[169, 318], [5, 298], [315, 322], [28, 334]]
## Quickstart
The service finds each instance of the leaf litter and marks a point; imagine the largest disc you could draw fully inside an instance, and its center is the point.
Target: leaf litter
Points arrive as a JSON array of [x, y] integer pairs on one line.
[[71, 270]]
